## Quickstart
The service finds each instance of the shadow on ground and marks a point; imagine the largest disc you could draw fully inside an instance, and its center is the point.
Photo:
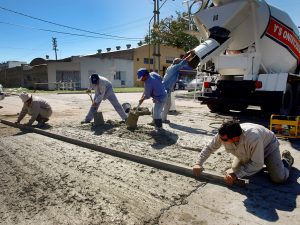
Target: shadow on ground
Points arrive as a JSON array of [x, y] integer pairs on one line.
[[264, 198], [163, 139], [190, 129]]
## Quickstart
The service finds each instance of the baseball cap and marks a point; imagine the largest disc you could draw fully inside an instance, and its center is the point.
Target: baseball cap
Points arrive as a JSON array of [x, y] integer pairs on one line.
[[94, 78]]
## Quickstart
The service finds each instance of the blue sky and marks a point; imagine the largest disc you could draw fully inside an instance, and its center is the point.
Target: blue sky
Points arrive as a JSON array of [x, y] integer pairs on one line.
[[20, 40]]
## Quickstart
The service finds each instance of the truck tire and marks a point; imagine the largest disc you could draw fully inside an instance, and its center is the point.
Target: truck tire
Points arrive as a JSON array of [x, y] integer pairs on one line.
[[216, 107], [297, 101], [287, 101]]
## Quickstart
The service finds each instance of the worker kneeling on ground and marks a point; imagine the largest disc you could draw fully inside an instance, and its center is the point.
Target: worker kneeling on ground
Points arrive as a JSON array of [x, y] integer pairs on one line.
[[154, 88], [38, 108], [103, 90], [253, 147]]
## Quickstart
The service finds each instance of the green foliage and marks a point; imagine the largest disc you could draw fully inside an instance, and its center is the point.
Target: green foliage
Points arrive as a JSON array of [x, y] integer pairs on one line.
[[171, 32]]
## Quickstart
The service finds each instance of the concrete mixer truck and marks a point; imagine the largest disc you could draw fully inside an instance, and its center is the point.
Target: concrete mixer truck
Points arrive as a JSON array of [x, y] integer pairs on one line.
[[254, 50]]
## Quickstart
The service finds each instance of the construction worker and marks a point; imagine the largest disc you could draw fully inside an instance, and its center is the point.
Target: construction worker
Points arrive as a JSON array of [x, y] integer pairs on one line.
[[103, 90], [253, 147], [38, 108], [154, 88], [169, 81]]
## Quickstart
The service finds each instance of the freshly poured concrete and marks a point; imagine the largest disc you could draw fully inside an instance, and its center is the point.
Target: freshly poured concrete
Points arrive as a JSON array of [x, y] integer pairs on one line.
[[46, 181]]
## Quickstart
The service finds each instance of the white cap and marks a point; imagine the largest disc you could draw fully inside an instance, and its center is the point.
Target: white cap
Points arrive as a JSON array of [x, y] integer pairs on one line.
[[25, 96]]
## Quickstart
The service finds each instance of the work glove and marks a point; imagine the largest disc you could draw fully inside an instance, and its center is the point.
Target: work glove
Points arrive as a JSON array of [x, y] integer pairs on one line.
[[230, 179], [197, 170]]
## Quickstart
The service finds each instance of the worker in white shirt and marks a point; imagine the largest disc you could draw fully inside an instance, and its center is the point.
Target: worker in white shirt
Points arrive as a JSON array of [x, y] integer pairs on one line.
[[253, 147], [103, 90], [38, 108]]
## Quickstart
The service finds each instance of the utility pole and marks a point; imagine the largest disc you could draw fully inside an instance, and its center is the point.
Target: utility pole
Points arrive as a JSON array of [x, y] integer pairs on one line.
[[54, 44], [154, 25], [158, 44], [156, 47]]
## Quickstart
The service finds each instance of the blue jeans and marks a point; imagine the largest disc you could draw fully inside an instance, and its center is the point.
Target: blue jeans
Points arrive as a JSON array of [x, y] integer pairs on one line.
[[158, 107]]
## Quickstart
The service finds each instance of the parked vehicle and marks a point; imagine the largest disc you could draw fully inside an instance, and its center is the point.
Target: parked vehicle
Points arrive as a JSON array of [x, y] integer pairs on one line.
[[180, 85], [195, 84]]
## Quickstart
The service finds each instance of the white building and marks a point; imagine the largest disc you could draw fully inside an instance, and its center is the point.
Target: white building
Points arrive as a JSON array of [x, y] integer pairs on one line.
[[11, 64], [78, 69]]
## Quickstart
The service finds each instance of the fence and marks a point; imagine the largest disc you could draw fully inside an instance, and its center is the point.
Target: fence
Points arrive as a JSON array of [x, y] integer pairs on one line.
[[72, 86]]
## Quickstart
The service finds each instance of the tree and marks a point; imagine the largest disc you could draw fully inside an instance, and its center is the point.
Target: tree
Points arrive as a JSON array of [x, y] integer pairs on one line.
[[171, 32]]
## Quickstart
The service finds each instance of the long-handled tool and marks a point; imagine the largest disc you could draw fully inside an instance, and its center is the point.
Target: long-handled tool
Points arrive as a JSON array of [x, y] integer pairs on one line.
[[137, 108], [91, 97]]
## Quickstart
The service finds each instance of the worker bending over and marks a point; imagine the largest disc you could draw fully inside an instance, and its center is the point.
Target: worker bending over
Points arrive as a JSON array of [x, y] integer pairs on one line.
[[38, 108], [253, 147], [103, 90], [154, 88]]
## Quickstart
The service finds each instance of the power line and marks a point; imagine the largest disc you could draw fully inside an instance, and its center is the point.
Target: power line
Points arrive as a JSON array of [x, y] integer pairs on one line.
[[73, 34], [69, 27]]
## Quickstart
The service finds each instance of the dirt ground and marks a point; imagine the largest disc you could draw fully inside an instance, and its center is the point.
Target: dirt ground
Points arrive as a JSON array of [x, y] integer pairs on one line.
[[47, 181]]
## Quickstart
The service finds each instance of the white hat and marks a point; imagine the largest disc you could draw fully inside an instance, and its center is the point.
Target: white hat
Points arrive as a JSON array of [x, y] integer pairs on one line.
[[25, 96]]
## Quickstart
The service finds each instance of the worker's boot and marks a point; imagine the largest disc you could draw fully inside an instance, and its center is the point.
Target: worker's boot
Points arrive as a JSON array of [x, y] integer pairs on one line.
[[287, 159], [158, 124], [41, 121]]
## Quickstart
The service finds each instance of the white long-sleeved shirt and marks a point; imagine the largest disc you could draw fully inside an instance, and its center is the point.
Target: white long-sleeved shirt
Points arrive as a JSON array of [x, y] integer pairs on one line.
[[255, 144], [34, 109], [102, 90]]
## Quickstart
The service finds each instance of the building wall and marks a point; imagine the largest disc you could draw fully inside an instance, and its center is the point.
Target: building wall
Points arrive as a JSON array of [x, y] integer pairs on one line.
[[35, 74], [118, 67], [168, 53], [106, 67], [24, 76], [12, 77], [54, 67], [86, 66]]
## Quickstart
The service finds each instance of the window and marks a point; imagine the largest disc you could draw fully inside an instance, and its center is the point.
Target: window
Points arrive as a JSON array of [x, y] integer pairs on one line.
[[146, 61], [120, 75], [169, 59]]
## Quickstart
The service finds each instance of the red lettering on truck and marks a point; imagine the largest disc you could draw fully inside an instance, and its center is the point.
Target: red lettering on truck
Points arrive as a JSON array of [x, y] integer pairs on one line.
[[285, 36]]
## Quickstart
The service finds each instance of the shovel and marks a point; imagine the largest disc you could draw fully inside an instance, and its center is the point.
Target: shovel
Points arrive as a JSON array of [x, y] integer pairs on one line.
[[91, 97], [98, 116]]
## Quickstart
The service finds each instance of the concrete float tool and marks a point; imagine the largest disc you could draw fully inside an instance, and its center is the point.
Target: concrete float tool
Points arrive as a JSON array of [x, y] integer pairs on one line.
[[173, 168]]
